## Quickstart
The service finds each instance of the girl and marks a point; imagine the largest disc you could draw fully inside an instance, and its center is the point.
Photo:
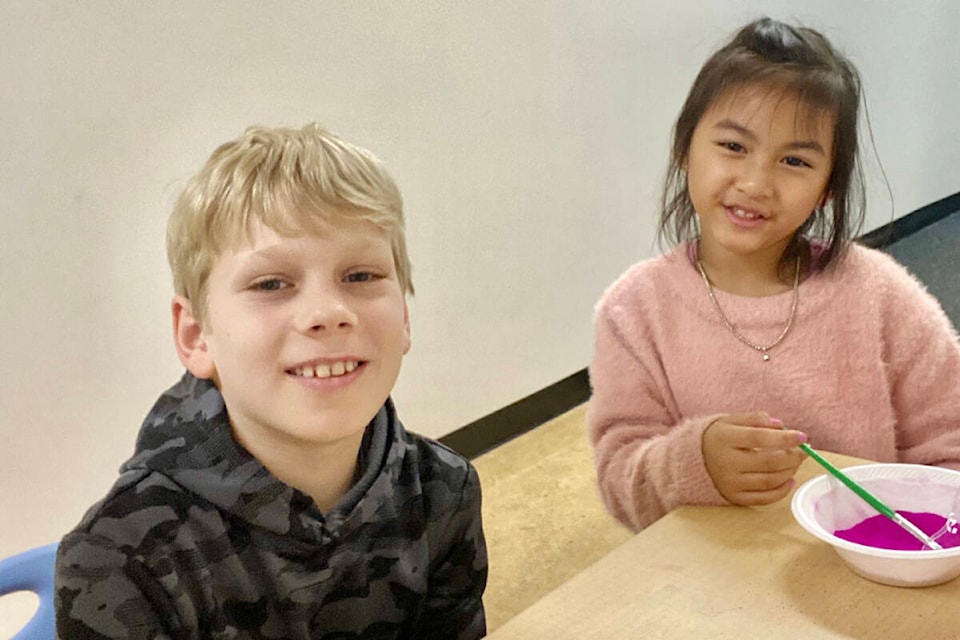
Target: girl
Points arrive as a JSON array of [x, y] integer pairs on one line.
[[765, 325]]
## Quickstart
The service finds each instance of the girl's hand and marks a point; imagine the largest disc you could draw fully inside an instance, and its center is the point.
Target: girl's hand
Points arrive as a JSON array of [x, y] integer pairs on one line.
[[750, 459]]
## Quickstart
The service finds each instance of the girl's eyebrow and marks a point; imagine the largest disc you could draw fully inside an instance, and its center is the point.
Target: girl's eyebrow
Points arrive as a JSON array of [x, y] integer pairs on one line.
[[732, 125]]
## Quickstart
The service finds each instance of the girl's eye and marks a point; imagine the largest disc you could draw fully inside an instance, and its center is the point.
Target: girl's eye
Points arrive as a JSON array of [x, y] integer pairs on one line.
[[270, 284], [736, 147], [794, 161]]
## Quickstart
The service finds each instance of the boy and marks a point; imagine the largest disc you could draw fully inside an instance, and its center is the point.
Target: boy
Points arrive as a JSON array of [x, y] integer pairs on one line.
[[273, 492]]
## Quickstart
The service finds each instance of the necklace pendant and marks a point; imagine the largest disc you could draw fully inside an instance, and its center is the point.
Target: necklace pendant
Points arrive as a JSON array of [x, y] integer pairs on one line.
[[765, 357]]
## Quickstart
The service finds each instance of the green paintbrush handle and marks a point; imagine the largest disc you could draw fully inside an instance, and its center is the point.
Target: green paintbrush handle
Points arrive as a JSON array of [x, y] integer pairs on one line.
[[856, 488], [871, 499]]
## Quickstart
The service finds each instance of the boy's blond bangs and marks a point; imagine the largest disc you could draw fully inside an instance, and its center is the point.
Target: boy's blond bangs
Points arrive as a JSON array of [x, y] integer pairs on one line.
[[291, 180]]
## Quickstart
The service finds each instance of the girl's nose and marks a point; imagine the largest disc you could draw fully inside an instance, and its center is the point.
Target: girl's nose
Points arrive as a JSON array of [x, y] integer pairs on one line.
[[755, 180]]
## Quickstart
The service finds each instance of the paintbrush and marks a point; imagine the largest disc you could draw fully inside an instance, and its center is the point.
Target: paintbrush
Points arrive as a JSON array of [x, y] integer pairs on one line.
[[871, 499]]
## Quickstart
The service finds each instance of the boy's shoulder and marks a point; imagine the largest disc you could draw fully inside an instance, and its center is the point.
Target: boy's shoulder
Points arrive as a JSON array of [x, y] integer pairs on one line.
[[144, 499], [433, 454], [446, 480], [134, 491], [139, 515], [193, 513]]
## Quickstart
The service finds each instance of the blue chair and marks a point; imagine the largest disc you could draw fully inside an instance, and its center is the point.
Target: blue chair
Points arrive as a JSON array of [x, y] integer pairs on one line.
[[33, 571]]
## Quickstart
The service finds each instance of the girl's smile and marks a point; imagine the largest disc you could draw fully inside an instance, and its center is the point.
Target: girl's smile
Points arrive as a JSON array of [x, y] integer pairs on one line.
[[758, 166], [745, 218]]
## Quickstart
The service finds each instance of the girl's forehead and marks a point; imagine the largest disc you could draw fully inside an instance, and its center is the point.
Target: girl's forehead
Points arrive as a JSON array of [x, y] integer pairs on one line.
[[752, 104]]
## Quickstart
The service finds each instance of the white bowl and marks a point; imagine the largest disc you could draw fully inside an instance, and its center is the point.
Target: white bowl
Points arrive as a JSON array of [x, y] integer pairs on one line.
[[823, 505]]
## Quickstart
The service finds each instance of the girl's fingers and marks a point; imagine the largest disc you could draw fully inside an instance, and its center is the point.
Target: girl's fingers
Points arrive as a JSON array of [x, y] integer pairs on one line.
[[760, 497], [761, 482], [771, 460], [759, 470], [744, 437], [756, 489], [751, 465], [753, 419]]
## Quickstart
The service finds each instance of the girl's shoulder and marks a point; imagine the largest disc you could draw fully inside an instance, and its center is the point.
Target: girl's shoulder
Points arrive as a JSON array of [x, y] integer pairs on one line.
[[867, 278], [864, 266], [668, 272]]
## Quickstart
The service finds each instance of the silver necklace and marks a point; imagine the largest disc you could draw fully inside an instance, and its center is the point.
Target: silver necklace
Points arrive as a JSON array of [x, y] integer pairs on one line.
[[764, 351]]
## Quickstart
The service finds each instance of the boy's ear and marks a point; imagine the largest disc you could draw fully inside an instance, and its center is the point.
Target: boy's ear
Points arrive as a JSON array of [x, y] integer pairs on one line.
[[189, 341], [406, 328]]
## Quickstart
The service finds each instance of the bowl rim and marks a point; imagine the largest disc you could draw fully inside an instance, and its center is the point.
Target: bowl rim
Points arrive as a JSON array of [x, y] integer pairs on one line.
[[810, 524]]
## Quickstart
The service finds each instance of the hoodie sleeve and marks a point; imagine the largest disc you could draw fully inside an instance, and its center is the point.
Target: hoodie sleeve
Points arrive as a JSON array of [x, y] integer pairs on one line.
[[648, 462], [454, 605], [102, 593]]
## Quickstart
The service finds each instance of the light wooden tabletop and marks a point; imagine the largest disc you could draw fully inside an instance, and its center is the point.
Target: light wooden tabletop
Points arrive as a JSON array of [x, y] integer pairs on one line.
[[732, 572]]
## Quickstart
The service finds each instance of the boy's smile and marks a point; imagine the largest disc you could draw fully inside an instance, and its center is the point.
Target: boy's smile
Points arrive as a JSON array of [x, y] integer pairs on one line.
[[304, 335], [323, 369]]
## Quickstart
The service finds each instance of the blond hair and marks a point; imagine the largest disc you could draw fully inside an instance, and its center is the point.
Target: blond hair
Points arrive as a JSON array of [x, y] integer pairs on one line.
[[288, 179]]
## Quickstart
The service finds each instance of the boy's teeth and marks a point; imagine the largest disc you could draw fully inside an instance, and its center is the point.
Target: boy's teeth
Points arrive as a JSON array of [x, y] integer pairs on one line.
[[740, 213], [326, 370]]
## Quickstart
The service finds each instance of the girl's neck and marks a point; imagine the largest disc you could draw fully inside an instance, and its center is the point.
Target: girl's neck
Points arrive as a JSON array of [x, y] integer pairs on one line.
[[757, 274]]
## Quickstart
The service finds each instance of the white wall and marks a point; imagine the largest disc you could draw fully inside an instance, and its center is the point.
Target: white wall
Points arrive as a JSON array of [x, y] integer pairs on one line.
[[529, 139]]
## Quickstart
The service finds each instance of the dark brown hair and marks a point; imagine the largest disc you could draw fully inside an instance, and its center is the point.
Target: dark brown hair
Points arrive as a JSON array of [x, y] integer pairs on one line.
[[798, 60]]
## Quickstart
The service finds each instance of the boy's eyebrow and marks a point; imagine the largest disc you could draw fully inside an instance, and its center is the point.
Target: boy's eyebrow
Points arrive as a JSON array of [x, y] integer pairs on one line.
[[280, 251], [733, 125], [267, 253]]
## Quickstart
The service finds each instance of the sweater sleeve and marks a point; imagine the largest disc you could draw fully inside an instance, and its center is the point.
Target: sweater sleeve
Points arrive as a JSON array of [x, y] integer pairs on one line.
[[922, 353], [648, 460]]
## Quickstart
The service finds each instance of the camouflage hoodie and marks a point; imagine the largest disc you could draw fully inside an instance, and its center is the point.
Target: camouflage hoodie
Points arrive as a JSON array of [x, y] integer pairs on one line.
[[198, 540]]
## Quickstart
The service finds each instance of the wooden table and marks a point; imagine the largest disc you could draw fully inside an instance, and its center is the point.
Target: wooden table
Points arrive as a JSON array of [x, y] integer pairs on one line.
[[732, 572]]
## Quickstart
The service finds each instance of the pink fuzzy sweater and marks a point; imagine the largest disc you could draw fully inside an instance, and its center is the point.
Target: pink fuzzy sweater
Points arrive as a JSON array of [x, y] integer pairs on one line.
[[871, 368]]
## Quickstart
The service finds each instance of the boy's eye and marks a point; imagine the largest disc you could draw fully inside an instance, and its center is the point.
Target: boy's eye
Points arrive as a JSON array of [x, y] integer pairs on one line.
[[270, 284], [362, 276]]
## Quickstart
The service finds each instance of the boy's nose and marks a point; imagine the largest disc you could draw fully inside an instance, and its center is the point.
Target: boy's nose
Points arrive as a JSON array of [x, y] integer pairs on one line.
[[325, 313]]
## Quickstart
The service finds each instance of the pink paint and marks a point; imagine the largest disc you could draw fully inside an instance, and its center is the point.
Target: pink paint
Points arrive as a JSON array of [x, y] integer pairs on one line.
[[882, 533]]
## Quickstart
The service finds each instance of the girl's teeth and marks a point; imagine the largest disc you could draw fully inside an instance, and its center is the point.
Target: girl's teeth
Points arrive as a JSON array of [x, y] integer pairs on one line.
[[740, 213], [350, 366], [323, 371], [337, 369]]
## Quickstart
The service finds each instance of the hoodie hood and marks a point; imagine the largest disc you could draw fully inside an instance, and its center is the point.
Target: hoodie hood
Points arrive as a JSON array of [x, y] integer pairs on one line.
[[187, 438]]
